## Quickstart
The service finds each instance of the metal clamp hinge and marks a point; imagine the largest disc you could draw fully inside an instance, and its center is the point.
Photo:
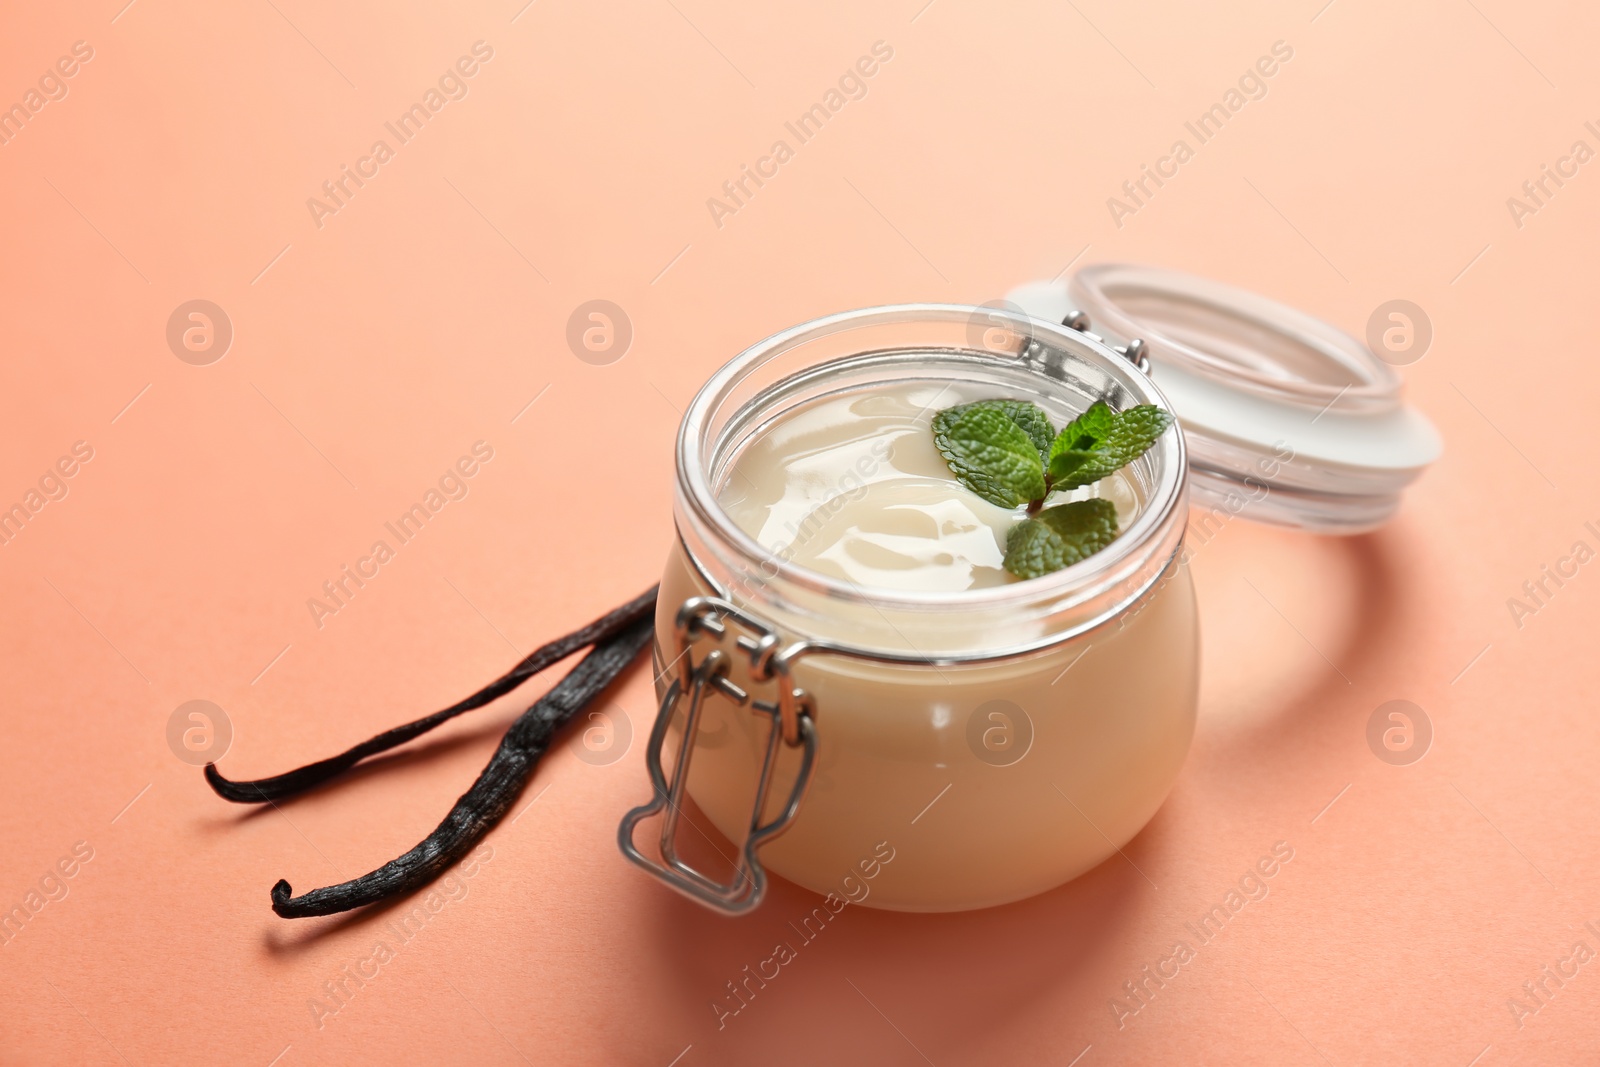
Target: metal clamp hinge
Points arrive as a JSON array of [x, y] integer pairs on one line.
[[792, 723], [1135, 351]]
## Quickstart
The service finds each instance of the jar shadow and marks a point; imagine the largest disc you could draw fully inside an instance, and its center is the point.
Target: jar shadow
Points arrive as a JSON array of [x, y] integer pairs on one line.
[[1291, 626], [963, 974]]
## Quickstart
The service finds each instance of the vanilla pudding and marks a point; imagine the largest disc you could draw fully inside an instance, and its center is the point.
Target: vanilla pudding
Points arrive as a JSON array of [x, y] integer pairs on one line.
[[992, 773]]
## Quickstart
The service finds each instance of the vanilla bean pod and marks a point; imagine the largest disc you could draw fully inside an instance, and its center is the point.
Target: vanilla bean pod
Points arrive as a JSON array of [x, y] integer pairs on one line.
[[617, 637], [300, 779], [480, 807]]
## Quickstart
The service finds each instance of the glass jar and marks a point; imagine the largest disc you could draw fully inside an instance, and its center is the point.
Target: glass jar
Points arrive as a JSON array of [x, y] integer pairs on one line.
[[996, 742], [941, 751]]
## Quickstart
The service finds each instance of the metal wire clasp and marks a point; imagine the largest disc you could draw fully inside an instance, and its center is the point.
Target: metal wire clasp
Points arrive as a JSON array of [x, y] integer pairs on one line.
[[1135, 351], [792, 722]]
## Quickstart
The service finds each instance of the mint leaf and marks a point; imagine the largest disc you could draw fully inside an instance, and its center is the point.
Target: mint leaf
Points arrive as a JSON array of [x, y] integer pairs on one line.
[[990, 453], [1101, 441], [1034, 422], [1060, 536]]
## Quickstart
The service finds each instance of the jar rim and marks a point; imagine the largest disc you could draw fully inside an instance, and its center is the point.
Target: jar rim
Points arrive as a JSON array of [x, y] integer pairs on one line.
[[1126, 555]]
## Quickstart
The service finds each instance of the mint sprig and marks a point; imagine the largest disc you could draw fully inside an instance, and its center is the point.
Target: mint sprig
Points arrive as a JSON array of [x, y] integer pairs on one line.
[[1007, 452]]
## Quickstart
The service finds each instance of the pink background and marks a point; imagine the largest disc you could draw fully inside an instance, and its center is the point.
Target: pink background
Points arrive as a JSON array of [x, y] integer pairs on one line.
[[372, 351]]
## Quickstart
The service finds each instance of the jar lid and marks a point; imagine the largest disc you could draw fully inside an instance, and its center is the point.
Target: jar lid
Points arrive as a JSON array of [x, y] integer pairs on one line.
[[1287, 419]]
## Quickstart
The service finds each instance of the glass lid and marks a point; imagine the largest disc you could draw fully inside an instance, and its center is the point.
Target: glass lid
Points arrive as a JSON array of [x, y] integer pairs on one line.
[[1288, 420]]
